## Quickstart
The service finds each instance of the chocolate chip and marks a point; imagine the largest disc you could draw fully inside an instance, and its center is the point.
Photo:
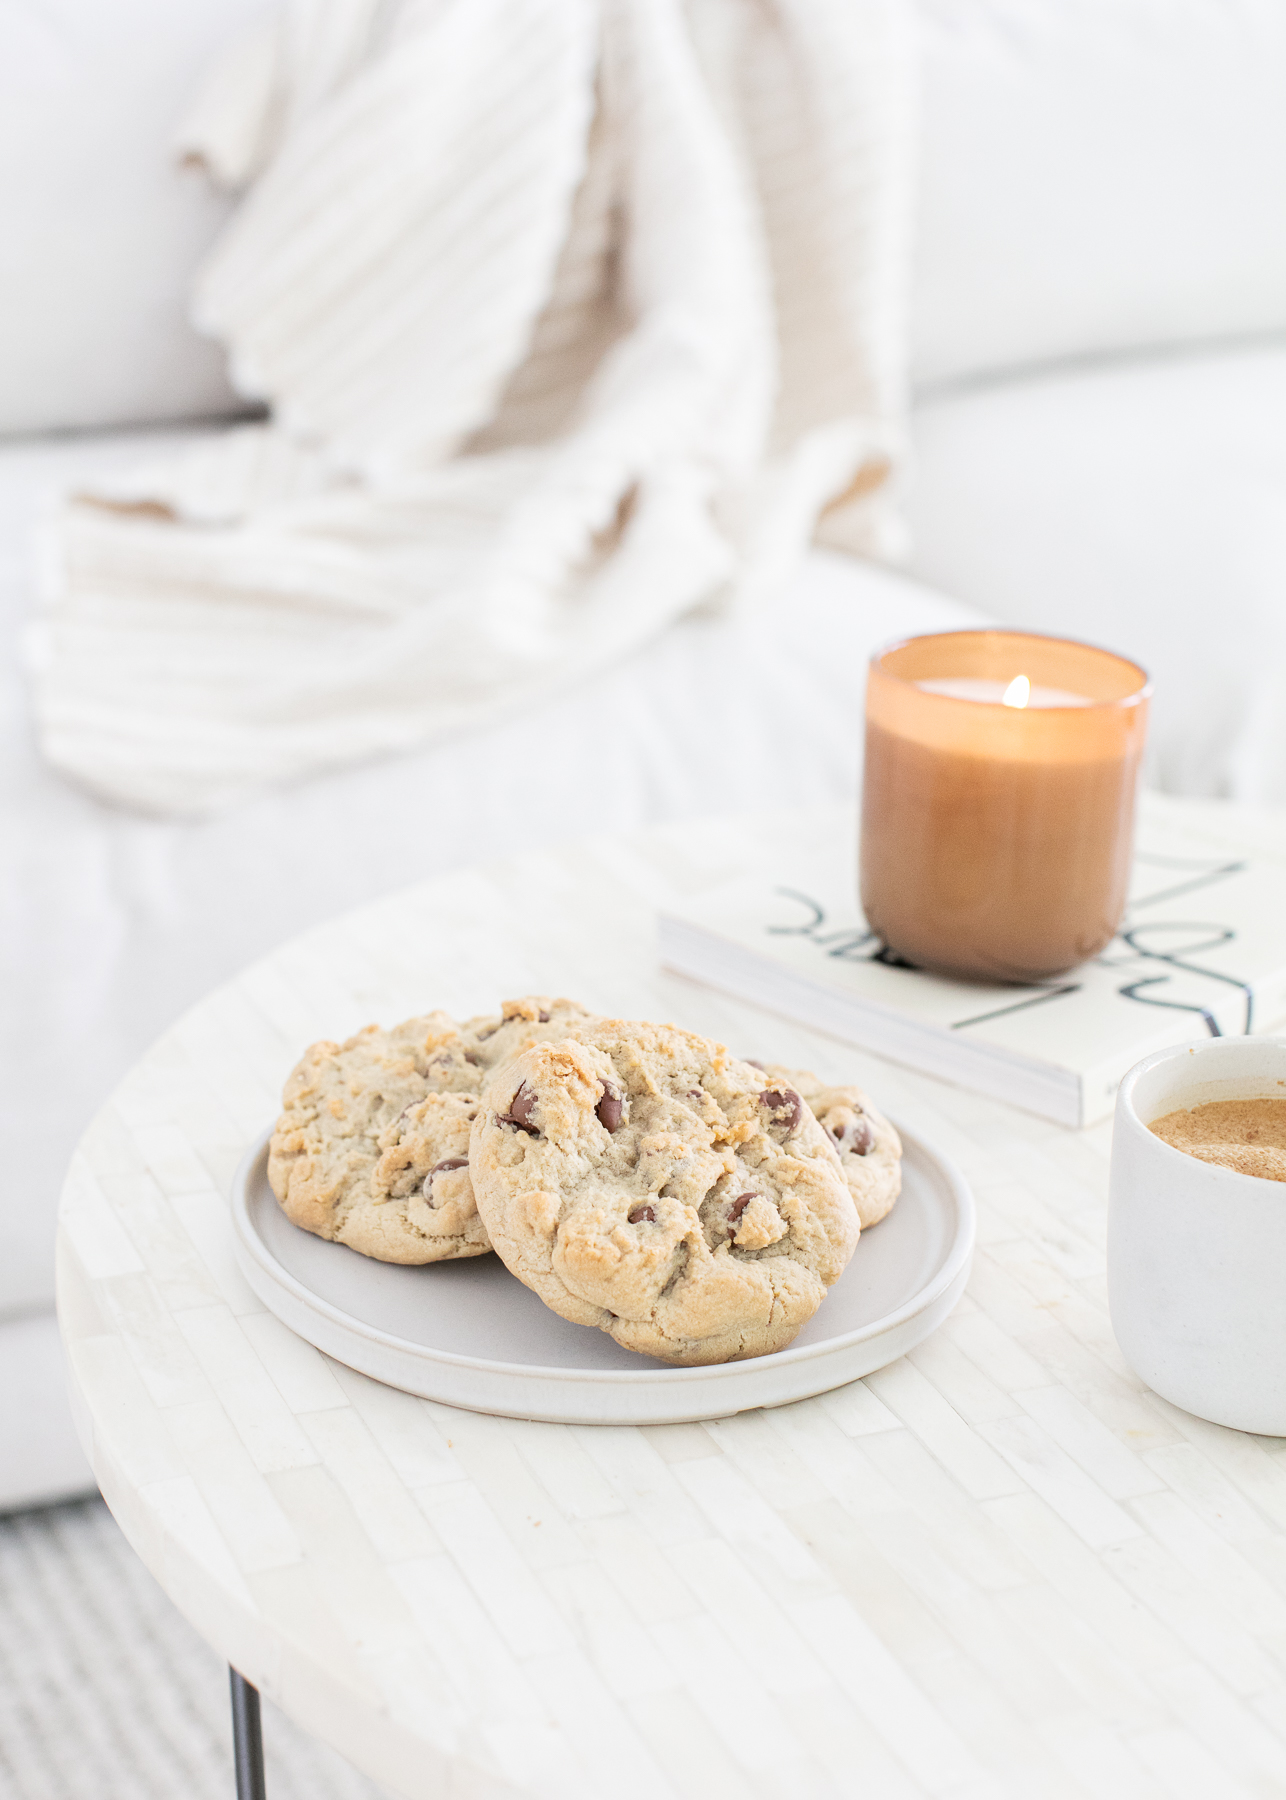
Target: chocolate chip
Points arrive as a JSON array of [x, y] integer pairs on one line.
[[738, 1206], [642, 1215], [611, 1108], [752, 1062], [542, 1018], [857, 1137], [520, 1110], [452, 1162], [469, 1057], [696, 1094], [784, 1106]]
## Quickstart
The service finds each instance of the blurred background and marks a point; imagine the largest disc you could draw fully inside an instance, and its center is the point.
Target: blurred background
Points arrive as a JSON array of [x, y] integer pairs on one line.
[[1082, 430]]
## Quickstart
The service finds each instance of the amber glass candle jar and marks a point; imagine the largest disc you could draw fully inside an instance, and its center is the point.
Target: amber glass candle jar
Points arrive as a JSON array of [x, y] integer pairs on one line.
[[998, 800]]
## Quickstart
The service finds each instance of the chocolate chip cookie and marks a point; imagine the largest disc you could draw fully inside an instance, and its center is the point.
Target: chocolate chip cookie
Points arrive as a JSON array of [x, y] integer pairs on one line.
[[372, 1147], [641, 1179], [870, 1150]]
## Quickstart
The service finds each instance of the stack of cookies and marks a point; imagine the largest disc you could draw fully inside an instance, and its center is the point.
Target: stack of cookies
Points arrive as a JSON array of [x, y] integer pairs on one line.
[[638, 1178]]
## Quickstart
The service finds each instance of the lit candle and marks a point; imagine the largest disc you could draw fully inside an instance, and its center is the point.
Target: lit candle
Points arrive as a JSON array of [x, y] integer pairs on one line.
[[1018, 692], [998, 803]]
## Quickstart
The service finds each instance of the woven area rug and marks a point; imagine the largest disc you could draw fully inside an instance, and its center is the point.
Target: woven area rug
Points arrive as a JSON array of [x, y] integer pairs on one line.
[[106, 1693]]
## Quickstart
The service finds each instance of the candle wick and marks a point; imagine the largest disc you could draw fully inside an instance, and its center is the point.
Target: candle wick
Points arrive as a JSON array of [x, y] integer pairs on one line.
[[1018, 693]]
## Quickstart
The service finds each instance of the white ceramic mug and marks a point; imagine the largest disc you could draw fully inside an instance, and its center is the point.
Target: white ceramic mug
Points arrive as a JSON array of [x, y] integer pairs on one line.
[[1196, 1254]]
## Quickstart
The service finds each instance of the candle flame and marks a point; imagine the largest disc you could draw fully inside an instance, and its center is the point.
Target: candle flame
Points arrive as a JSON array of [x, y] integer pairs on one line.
[[1018, 693]]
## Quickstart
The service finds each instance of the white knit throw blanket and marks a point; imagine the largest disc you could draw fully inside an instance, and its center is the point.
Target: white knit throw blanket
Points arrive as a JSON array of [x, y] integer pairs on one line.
[[570, 315]]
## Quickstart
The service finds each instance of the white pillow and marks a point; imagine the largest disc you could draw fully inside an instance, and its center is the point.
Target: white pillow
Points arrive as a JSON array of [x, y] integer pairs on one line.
[[1137, 505], [1097, 176], [100, 231]]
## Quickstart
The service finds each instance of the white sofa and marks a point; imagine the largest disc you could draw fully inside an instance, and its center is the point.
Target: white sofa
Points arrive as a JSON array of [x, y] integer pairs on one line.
[[1099, 356]]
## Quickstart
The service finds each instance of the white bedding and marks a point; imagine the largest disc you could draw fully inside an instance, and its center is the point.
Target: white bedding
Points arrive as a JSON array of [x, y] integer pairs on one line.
[[116, 923]]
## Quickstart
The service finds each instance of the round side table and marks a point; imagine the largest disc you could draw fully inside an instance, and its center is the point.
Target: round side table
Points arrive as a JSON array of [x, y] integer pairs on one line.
[[997, 1567]]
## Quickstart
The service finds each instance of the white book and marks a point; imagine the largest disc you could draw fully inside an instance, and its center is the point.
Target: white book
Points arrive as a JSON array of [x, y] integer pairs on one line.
[[1201, 952]]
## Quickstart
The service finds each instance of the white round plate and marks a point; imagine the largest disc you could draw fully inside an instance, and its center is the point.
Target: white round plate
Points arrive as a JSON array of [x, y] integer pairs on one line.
[[469, 1334]]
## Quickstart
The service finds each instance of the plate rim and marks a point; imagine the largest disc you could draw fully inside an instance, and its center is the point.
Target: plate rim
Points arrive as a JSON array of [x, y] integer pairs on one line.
[[249, 1243]]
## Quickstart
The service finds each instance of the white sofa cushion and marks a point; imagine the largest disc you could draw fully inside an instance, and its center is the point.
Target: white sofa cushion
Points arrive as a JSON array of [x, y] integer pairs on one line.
[[101, 230], [1097, 175], [1141, 506]]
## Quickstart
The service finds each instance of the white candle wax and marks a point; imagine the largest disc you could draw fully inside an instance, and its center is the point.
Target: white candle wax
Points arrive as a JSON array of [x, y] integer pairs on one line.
[[973, 687]]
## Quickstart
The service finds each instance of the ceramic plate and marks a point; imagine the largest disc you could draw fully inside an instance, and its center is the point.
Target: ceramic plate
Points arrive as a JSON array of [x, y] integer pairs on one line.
[[469, 1334]]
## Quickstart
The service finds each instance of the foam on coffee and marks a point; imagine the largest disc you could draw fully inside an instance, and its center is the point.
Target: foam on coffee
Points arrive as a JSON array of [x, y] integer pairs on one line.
[[1246, 1135]]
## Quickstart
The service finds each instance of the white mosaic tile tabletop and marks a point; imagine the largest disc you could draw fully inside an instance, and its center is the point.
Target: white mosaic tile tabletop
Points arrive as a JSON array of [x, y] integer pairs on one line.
[[999, 1567]]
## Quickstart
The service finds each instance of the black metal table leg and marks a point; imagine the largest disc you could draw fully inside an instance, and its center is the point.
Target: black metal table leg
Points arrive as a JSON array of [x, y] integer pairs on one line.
[[247, 1739]]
